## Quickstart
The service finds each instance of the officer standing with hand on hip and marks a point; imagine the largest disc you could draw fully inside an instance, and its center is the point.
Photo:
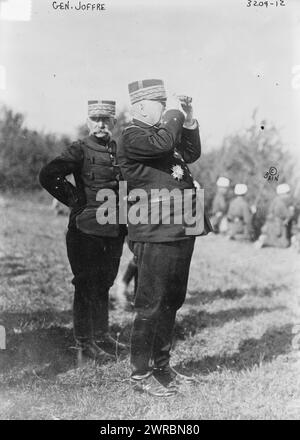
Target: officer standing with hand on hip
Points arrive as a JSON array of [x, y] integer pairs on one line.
[[94, 249], [153, 154]]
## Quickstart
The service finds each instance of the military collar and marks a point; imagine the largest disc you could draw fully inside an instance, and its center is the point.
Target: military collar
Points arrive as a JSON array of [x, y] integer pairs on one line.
[[99, 141], [142, 124], [99, 145]]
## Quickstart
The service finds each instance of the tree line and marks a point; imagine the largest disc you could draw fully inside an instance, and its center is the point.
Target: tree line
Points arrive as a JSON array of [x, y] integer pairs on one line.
[[243, 157]]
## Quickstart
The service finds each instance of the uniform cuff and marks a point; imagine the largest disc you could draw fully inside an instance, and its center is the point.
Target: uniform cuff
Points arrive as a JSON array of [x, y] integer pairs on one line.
[[192, 126]]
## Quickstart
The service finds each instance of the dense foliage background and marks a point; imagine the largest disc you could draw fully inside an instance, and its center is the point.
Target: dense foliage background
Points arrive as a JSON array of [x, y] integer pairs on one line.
[[244, 157]]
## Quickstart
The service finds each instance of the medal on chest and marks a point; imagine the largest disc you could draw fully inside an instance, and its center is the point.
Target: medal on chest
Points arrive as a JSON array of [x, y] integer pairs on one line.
[[177, 172]]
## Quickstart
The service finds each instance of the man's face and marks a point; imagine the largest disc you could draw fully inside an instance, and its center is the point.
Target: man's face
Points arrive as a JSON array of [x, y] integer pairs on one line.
[[101, 126], [153, 110], [223, 190]]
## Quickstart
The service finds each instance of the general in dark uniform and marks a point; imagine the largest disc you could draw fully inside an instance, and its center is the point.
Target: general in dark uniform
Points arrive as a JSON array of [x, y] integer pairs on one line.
[[94, 250], [153, 154]]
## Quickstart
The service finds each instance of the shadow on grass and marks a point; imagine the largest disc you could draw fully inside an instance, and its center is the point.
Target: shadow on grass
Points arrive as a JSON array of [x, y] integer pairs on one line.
[[44, 351], [42, 342], [195, 297], [37, 343], [191, 323], [275, 342], [194, 321]]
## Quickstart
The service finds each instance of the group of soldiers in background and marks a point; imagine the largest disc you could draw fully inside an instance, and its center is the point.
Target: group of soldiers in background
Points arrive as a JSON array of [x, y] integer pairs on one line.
[[235, 218]]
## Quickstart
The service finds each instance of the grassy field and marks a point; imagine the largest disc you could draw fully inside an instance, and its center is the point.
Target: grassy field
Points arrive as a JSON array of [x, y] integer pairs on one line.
[[236, 331]]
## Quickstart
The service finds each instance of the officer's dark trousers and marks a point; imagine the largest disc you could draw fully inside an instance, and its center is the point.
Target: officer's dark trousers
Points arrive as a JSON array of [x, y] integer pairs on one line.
[[94, 262], [163, 270]]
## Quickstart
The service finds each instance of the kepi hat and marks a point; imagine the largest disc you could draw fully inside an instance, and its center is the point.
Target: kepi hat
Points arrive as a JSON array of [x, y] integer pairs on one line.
[[150, 89], [102, 108], [283, 188], [240, 189], [223, 182]]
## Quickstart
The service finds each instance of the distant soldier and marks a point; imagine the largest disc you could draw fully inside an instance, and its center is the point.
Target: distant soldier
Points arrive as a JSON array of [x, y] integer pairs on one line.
[[239, 215], [220, 205], [295, 239], [94, 249], [277, 229]]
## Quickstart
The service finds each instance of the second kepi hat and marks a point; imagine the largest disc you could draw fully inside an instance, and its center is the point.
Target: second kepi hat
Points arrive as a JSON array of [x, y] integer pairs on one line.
[[151, 89], [101, 108], [223, 182], [283, 188], [240, 189]]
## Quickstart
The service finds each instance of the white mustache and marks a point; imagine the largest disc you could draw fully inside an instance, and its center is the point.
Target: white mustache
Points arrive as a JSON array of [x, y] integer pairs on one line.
[[102, 131], [97, 129]]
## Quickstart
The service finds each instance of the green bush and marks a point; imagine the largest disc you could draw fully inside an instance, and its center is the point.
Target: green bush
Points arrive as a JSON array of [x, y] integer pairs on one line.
[[23, 152]]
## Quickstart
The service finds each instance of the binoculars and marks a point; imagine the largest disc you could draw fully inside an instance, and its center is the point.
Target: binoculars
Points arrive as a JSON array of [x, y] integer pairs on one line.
[[185, 99]]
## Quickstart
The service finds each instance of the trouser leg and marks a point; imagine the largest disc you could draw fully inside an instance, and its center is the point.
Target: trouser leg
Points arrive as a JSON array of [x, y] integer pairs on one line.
[[94, 262], [107, 270], [175, 293], [162, 279], [147, 301], [162, 343], [82, 319]]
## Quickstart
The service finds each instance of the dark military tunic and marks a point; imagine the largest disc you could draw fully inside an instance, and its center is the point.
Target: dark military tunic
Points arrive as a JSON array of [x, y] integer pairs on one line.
[[240, 219], [147, 157], [94, 250], [219, 204]]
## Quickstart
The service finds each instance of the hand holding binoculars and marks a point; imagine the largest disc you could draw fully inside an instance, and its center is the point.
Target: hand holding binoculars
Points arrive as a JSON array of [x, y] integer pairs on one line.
[[186, 100], [180, 102]]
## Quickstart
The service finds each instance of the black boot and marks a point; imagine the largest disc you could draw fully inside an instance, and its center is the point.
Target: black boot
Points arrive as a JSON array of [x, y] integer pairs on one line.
[[110, 346], [87, 351], [150, 385], [169, 377]]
